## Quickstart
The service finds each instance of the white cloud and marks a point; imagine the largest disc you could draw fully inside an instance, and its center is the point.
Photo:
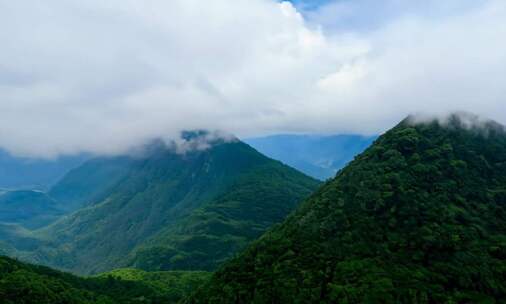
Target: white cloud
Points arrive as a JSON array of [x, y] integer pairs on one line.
[[102, 76]]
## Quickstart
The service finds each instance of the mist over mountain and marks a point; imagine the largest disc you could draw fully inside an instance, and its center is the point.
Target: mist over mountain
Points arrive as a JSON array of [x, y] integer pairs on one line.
[[119, 74], [167, 209], [419, 217], [318, 156], [253, 151]]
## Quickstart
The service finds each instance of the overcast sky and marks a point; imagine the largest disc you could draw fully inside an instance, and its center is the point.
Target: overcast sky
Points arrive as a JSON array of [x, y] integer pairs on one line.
[[103, 76]]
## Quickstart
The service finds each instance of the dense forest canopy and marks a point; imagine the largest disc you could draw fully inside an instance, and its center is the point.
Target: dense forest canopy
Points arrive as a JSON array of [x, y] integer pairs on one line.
[[31, 284], [419, 217]]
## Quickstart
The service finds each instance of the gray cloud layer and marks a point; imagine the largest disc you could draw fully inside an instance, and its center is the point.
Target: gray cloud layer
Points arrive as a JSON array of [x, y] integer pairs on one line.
[[103, 76]]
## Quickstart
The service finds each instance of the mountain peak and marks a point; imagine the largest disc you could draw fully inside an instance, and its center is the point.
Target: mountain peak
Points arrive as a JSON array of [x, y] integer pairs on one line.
[[189, 135], [419, 217], [188, 210], [199, 140]]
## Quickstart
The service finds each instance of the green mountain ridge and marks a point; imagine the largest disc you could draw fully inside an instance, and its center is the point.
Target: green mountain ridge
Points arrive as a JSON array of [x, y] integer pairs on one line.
[[166, 210], [32, 284], [419, 217]]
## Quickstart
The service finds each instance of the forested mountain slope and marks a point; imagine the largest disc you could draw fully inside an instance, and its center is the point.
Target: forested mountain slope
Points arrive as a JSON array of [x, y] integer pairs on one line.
[[91, 182], [169, 211], [419, 217], [173, 285], [31, 284], [80, 187]]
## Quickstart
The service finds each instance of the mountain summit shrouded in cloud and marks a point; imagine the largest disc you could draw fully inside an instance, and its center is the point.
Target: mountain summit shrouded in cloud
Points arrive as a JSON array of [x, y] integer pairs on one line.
[[103, 77], [163, 210]]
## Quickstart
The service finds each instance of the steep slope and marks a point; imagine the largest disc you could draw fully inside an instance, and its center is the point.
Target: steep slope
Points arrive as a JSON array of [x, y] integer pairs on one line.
[[82, 186], [25, 283], [90, 182], [419, 217], [31, 209], [317, 156], [253, 202], [164, 196]]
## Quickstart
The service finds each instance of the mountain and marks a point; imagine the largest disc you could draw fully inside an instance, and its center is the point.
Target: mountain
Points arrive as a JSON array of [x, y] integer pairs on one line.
[[91, 182], [419, 217], [174, 285], [30, 209], [317, 156], [168, 209], [31, 284], [34, 209], [39, 174]]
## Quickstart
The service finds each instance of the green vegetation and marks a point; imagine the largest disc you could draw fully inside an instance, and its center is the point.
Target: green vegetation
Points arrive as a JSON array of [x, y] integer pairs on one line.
[[173, 285], [167, 211], [223, 226], [419, 217], [31, 209], [25, 283], [90, 182]]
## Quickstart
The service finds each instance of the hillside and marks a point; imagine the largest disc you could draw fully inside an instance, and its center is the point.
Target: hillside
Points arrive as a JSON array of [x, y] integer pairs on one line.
[[80, 187], [170, 211], [30, 209], [31, 284], [419, 217], [317, 156], [174, 285], [90, 182]]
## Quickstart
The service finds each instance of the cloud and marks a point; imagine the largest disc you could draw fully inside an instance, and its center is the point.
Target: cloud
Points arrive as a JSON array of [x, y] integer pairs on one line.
[[461, 120], [198, 140], [101, 77]]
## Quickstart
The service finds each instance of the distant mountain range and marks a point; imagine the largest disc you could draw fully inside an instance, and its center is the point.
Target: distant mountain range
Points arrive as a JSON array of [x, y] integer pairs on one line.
[[44, 190], [318, 156], [28, 173], [164, 210]]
